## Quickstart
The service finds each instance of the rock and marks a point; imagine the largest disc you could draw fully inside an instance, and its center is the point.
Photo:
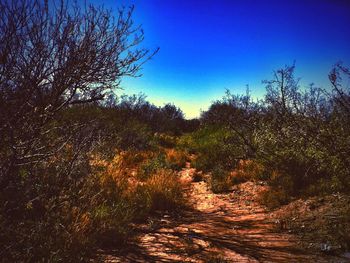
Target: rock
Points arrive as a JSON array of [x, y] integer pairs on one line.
[[326, 247]]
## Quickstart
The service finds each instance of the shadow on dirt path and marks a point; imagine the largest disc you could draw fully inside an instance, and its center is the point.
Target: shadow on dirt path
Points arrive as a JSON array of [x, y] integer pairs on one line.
[[218, 228]]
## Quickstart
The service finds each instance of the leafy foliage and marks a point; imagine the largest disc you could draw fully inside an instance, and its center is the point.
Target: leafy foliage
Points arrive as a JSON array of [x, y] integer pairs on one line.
[[299, 137], [213, 145]]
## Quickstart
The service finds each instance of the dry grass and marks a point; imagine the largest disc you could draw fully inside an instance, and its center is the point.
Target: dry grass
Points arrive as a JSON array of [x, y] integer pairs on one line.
[[165, 190], [176, 158], [248, 170], [161, 190]]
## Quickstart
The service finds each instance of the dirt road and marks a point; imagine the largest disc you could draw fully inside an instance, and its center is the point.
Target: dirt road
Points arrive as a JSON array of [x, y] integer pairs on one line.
[[230, 227]]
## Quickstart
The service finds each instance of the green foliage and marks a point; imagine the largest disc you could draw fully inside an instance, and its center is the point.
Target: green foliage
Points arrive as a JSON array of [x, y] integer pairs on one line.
[[147, 169], [299, 138], [167, 119], [75, 207], [134, 135], [55, 205], [213, 145], [168, 159]]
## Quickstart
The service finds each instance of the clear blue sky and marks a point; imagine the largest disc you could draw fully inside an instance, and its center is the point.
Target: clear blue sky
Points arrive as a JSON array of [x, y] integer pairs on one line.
[[209, 46]]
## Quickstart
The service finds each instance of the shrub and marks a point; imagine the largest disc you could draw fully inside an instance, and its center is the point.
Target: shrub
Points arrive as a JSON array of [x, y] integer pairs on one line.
[[108, 198], [220, 180], [274, 198], [52, 205], [213, 145], [135, 136], [111, 223], [151, 165]]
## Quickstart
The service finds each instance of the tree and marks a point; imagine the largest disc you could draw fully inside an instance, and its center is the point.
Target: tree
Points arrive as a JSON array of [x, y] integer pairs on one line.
[[341, 93], [239, 114], [282, 91], [56, 59], [55, 55]]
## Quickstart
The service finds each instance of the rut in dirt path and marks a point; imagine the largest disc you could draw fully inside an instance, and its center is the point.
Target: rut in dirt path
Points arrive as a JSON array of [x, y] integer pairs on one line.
[[220, 228]]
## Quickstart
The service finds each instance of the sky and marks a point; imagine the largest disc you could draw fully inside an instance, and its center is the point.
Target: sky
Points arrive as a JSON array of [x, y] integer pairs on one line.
[[209, 46]]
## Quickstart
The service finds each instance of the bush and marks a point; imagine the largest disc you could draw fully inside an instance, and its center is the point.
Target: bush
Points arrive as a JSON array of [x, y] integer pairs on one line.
[[135, 136], [220, 180], [109, 202], [213, 145], [300, 135], [151, 165], [274, 198], [53, 206]]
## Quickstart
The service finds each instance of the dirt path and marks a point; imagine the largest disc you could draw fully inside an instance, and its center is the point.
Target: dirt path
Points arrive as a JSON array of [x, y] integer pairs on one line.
[[220, 228]]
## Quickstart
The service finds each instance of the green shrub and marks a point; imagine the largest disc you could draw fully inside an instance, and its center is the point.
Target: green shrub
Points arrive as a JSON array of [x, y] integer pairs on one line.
[[148, 168], [134, 135], [213, 145]]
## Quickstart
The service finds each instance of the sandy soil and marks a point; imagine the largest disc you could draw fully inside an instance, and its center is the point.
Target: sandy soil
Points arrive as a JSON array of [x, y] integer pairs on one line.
[[229, 227]]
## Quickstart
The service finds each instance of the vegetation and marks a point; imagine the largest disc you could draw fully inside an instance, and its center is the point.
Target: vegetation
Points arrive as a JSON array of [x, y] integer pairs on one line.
[[78, 164], [295, 139], [73, 156]]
